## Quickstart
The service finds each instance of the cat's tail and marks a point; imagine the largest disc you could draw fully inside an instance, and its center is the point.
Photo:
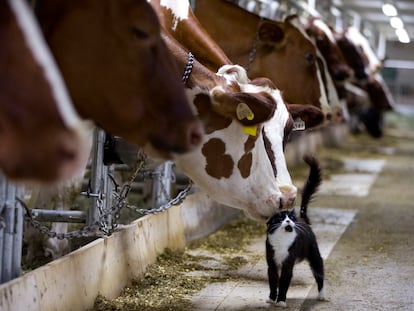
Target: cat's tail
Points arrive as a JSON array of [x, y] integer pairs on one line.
[[311, 185]]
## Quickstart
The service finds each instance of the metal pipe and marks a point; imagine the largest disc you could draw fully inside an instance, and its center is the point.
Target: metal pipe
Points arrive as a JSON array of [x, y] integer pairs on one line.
[[2, 222], [8, 242], [44, 215], [1, 247], [162, 184], [96, 175], [108, 191], [18, 236]]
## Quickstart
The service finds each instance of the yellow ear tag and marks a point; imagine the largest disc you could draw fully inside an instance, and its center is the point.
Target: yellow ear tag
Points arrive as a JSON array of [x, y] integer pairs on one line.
[[250, 116], [243, 111], [250, 130]]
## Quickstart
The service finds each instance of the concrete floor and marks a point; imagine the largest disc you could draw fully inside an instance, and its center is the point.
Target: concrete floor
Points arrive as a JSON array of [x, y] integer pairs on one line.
[[363, 217]]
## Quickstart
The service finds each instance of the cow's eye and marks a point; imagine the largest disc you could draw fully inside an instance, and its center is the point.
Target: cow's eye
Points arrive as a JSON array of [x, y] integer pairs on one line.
[[310, 58], [139, 33]]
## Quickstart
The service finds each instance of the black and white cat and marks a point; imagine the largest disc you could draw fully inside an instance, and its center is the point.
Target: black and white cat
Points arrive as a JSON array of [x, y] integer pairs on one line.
[[291, 240]]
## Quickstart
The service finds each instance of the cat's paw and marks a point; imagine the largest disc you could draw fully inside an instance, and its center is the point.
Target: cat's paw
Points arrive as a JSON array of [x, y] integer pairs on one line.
[[281, 304], [269, 300], [321, 295]]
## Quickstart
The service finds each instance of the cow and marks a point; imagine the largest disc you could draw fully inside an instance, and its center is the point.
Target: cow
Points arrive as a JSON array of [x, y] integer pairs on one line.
[[121, 76], [240, 162], [362, 59], [119, 72], [280, 51], [42, 136], [325, 40], [188, 31], [340, 71], [372, 63]]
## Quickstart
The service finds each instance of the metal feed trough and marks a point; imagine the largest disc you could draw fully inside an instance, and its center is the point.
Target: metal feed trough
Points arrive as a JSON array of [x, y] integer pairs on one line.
[[98, 219]]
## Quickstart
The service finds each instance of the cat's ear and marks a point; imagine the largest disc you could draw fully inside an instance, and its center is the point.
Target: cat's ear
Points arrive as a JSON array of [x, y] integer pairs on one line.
[[271, 220], [292, 213]]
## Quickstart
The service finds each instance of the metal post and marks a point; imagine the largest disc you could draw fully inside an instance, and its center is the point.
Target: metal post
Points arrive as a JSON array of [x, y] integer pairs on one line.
[[161, 191], [2, 222], [97, 176], [382, 45], [357, 21], [9, 215], [18, 236], [108, 191], [44, 215]]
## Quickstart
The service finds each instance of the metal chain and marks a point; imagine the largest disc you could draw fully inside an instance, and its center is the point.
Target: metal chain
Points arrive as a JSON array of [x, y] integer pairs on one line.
[[177, 200], [188, 68], [86, 231], [253, 51], [101, 227]]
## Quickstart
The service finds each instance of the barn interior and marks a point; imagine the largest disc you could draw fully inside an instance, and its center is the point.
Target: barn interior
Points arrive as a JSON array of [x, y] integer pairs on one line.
[[143, 236]]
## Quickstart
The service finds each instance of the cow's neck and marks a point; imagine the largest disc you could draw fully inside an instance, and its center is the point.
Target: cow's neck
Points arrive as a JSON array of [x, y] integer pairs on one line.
[[186, 29], [199, 76]]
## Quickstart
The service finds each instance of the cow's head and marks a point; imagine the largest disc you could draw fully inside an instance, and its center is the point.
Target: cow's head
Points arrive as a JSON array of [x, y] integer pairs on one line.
[[353, 56], [287, 56], [119, 72], [280, 51], [241, 162], [371, 60], [42, 138]]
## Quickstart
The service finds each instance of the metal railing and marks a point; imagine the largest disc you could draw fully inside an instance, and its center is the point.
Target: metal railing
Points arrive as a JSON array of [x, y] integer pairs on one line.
[[99, 219]]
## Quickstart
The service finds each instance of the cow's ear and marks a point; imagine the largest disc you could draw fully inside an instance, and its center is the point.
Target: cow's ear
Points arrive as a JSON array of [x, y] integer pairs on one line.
[[270, 33], [247, 108], [311, 115]]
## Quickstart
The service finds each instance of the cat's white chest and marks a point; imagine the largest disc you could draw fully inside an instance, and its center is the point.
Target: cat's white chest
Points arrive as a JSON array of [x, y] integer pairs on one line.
[[281, 240]]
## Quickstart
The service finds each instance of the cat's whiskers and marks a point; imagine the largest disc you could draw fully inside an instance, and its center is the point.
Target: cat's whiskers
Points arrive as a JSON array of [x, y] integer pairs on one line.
[[301, 228]]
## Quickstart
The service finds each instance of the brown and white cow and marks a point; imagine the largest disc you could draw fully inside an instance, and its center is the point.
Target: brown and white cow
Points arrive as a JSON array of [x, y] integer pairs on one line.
[[280, 51], [325, 40], [42, 137], [372, 63], [119, 72], [240, 161], [336, 64], [120, 75], [362, 59], [186, 29]]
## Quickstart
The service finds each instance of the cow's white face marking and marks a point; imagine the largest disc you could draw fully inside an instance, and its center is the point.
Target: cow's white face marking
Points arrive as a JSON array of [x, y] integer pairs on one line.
[[42, 54], [357, 38], [179, 9], [325, 28], [332, 96]]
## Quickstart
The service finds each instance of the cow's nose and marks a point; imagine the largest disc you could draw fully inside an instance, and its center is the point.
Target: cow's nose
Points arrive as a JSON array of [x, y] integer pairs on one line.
[[288, 195]]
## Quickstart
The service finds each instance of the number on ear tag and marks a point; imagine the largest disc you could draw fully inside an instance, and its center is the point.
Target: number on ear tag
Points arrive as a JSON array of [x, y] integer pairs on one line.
[[243, 111], [299, 125]]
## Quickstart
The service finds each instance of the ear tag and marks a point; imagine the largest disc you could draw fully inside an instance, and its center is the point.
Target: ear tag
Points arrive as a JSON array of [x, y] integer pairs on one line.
[[250, 130], [299, 125], [243, 111]]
